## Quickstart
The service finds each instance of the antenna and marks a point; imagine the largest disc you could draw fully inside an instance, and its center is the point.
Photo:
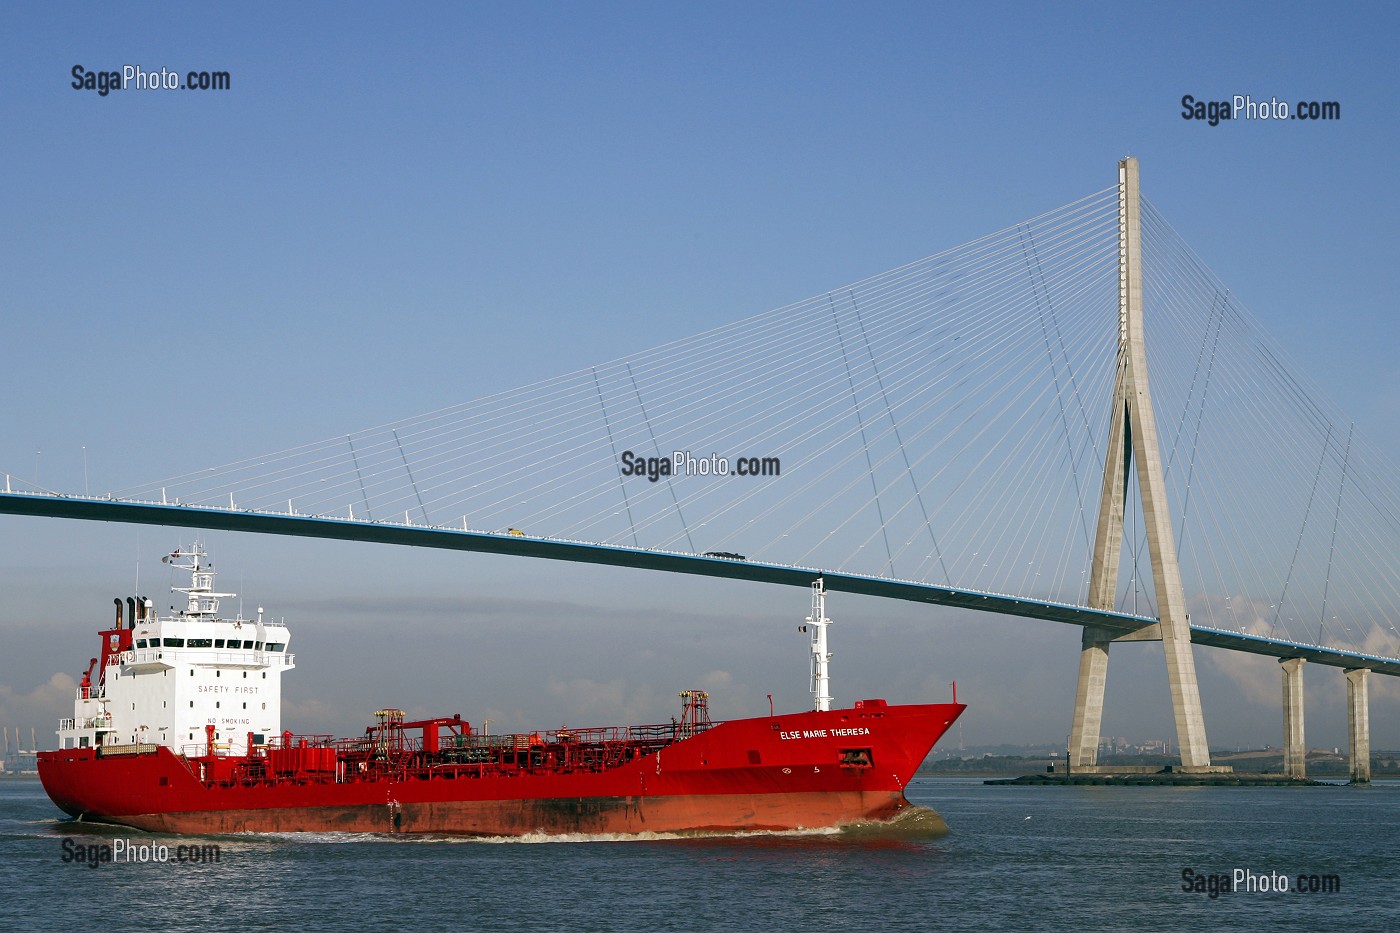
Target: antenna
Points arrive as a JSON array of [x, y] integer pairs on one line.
[[821, 657]]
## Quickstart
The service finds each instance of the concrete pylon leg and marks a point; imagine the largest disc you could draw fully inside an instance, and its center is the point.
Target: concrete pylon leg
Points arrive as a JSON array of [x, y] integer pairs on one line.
[[1359, 725], [1088, 699], [1132, 438], [1295, 751], [1185, 691]]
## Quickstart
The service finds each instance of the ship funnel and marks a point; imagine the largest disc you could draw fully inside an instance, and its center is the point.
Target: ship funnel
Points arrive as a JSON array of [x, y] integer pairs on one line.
[[118, 601], [131, 605]]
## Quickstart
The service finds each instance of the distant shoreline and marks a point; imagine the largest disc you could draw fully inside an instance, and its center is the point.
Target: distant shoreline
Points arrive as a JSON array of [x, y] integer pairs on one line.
[[1266, 762]]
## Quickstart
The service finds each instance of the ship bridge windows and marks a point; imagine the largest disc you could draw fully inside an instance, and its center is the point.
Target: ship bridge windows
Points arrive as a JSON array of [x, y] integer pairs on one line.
[[277, 646], [199, 643], [140, 642], [174, 643], [218, 643]]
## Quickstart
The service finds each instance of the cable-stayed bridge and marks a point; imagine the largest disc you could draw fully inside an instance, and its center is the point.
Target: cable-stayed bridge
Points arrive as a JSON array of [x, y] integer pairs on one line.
[[964, 430]]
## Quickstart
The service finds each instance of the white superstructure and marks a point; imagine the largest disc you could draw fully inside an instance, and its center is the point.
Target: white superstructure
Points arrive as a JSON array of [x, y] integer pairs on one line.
[[165, 680]]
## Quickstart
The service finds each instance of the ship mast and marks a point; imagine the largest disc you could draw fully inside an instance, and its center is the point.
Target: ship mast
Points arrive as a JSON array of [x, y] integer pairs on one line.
[[821, 657], [203, 601]]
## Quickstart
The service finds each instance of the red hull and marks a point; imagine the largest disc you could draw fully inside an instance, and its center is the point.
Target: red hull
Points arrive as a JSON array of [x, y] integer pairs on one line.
[[773, 773]]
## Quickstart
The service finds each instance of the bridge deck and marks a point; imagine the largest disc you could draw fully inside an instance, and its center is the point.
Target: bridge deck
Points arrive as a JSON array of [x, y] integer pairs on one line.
[[186, 516]]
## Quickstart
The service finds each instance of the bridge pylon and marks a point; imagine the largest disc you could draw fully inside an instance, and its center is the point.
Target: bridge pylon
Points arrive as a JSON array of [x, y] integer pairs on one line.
[[1132, 440]]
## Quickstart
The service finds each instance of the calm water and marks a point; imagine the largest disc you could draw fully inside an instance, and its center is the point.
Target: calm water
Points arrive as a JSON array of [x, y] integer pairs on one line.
[[1017, 858]]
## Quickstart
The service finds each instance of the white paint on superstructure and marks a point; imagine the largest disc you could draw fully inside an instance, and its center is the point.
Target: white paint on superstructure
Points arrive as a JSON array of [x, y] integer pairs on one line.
[[178, 674]]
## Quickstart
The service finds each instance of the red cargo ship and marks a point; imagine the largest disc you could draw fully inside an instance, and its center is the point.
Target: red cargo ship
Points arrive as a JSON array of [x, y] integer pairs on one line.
[[162, 681]]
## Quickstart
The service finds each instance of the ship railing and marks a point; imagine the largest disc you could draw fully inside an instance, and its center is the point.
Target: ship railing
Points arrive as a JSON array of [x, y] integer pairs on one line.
[[661, 731], [87, 722], [592, 735], [265, 658], [311, 740], [520, 741], [247, 658], [504, 740], [90, 695]]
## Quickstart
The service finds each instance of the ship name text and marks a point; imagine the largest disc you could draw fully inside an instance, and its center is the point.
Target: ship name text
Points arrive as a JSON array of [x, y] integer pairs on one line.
[[823, 733]]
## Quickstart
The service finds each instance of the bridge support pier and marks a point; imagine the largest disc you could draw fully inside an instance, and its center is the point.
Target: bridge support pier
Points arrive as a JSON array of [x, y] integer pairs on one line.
[[1359, 724], [1295, 750], [1088, 698]]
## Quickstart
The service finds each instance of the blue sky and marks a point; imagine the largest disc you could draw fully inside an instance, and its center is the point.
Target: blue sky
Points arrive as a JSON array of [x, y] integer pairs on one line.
[[396, 210]]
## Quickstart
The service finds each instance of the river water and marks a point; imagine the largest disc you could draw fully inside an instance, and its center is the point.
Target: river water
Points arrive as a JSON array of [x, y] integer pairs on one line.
[[1014, 858]]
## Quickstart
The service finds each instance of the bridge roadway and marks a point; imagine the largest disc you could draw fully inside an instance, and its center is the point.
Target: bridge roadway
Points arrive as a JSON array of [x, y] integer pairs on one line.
[[188, 516]]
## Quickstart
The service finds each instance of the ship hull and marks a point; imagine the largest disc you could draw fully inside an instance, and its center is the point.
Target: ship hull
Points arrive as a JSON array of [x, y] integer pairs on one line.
[[773, 773], [547, 816]]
